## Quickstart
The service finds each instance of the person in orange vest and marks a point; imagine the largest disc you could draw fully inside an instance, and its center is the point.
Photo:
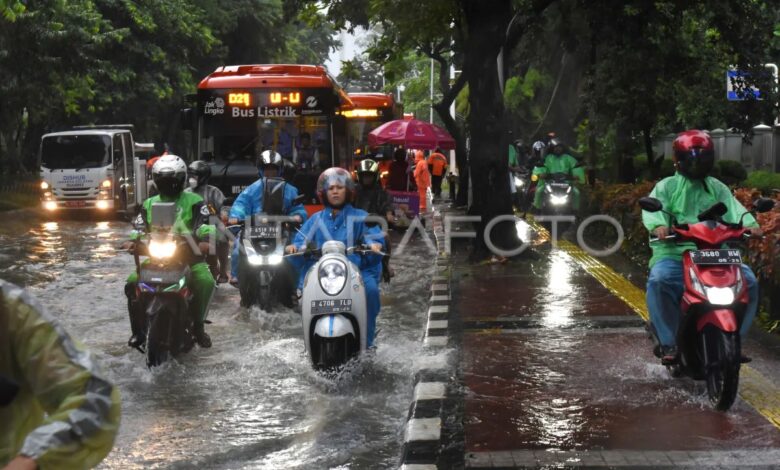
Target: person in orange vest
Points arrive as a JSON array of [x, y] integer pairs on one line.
[[437, 163], [423, 179]]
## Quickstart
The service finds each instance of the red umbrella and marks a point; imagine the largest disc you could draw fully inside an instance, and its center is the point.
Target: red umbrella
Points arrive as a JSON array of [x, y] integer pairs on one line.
[[412, 134]]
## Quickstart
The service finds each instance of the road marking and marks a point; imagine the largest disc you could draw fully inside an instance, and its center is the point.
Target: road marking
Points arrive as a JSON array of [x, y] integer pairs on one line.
[[430, 390], [755, 389], [423, 429]]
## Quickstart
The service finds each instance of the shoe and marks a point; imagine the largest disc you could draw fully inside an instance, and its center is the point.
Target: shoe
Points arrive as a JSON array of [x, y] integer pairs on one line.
[[669, 355], [201, 337], [135, 341], [234, 282], [222, 278]]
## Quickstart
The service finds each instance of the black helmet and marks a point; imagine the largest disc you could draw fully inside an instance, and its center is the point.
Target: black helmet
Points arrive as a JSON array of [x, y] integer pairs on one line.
[[169, 174], [269, 157], [199, 170], [368, 167], [554, 143]]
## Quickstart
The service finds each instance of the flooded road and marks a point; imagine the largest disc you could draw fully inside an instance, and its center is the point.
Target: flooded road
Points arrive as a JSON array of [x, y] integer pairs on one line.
[[252, 400]]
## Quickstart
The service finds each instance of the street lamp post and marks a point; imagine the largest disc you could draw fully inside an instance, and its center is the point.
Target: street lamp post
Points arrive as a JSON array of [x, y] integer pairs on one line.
[[401, 88]]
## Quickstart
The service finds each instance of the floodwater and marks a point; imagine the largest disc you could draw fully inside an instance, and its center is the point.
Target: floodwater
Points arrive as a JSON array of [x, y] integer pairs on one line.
[[252, 400]]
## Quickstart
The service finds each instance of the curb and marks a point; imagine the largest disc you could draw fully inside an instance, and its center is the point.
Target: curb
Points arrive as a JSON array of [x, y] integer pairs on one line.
[[423, 430]]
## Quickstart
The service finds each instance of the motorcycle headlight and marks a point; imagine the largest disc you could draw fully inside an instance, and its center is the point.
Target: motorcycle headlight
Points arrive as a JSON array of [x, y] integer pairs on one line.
[[162, 249], [275, 259], [518, 182], [720, 295], [558, 200], [548, 189], [333, 276]]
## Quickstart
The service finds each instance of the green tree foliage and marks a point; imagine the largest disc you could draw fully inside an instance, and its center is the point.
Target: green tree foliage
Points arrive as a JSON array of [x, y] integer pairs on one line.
[[129, 61]]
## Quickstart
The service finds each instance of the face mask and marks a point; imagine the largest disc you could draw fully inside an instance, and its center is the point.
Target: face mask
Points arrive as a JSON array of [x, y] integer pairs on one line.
[[193, 183]]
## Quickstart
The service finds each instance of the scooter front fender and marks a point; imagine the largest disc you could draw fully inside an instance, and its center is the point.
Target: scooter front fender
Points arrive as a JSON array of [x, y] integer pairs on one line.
[[722, 319], [333, 326]]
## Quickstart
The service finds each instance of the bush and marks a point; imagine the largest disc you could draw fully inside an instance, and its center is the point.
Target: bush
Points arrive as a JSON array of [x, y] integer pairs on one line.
[[764, 181], [642, 170], [730, 172]]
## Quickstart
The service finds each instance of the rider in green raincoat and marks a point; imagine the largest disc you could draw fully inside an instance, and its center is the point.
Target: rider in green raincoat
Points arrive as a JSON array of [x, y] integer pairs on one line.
[[192, 215], [57, 410], [557, 161]]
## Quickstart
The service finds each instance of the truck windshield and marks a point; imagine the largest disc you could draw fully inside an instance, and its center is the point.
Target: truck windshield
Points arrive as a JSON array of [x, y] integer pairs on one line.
[[75, 151]]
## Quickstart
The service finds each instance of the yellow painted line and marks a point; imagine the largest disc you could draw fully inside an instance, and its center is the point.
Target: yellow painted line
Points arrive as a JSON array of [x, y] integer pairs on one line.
[[755, 389]]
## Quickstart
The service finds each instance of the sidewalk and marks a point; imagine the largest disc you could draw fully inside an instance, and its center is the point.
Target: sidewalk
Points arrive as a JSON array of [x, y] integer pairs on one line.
[[555, 369]]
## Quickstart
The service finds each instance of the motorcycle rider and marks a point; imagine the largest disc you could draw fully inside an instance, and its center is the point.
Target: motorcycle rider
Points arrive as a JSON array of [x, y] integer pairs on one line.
[[192, 214], [375, 200], [687, 194], [199, 173], [250, 202], [57, 410], [558, 161], [336, 190]]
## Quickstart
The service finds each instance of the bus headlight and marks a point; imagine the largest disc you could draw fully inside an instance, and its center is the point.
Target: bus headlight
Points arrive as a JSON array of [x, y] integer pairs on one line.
[[162, 249], [333, 276]]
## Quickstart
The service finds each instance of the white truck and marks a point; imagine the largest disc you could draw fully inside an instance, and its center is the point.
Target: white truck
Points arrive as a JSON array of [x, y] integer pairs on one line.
[[93, 169]]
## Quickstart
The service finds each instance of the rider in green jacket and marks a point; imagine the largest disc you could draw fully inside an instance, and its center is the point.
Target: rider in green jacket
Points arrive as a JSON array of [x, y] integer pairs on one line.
[[557, 161], [57, 410], [192, 215]]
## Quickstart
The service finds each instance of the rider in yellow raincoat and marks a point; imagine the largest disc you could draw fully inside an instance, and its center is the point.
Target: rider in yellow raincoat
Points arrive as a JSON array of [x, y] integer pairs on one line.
[[57, 411]]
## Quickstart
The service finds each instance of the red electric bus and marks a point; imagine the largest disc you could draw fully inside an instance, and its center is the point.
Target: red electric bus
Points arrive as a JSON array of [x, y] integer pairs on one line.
[[243, 110]]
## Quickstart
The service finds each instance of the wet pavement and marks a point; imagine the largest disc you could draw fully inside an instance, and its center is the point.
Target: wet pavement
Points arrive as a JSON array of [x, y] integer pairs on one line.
[[556, 369], [252, 400]]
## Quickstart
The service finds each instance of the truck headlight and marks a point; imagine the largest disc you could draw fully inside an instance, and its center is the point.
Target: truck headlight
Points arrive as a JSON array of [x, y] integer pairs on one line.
[[333, 276], [720, 295], [162, 249], [44, 185], [106, 184], [101, 204], [50, 205]]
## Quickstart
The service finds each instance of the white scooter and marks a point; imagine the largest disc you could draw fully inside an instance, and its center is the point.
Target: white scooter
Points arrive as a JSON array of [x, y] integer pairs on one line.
[[333, 307]]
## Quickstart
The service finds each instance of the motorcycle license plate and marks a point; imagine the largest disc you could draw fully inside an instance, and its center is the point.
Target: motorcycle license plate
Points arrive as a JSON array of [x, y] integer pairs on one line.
[[716, 257], [326, 307], [263, 231]]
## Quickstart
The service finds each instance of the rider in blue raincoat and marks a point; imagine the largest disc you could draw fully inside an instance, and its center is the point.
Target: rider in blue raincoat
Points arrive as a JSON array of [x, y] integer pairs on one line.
[[250, 201], [336, 189]]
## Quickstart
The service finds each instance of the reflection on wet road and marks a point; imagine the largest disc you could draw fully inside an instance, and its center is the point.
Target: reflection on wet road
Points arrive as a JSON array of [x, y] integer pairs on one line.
[[250, 401]]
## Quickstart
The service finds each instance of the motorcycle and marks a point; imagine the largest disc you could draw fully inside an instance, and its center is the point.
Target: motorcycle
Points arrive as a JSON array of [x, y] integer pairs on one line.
[[162, 290], [263, 276], [333, 306], [557, 198], [522, 184], [714, 302]]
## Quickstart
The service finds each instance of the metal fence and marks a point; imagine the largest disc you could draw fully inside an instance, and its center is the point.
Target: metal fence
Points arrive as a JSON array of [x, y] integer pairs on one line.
[[761, 153]]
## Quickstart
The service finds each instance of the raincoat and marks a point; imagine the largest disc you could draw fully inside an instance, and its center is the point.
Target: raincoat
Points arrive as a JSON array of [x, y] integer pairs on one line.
[[687, 198], [250, 202], [66, 413], [192, 216], [423, 179], [323, 226], [214, 199], [564, 163]]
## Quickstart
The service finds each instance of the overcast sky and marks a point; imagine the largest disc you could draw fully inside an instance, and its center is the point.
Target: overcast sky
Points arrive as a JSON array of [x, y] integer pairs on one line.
[[349, 48]]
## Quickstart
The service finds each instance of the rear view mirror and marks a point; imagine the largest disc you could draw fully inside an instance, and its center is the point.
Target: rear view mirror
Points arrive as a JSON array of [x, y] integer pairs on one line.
[[650, 204], [163, 216], [764, 204]]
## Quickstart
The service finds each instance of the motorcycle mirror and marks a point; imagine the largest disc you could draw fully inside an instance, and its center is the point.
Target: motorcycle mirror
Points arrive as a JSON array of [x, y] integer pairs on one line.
[[650, 204], [715, 212], [764, 204]]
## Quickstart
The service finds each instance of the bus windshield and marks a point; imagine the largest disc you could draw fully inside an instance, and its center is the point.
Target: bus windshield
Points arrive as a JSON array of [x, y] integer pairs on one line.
[[303, 141], [75, 151]]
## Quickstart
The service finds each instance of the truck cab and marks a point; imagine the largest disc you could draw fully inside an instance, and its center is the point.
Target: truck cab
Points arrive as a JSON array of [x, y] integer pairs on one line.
[[91, 169]]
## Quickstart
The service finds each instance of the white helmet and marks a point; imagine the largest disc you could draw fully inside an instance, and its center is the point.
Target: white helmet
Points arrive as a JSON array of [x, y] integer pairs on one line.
[[169, 174]]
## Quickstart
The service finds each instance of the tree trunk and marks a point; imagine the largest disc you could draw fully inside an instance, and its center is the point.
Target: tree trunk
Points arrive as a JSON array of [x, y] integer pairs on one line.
[[488, 159]]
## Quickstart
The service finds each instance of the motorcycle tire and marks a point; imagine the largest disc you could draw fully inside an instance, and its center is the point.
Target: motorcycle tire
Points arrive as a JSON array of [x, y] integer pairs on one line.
[[158, 339], [265, 298], [721, 366]]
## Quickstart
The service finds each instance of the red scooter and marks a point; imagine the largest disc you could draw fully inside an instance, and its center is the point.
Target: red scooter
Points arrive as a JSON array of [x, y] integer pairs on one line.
[[714, 302]]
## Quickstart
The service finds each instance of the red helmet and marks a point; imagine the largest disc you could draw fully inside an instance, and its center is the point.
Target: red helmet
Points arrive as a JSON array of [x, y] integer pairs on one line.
[[331, 176], [695, 153]]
